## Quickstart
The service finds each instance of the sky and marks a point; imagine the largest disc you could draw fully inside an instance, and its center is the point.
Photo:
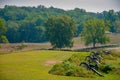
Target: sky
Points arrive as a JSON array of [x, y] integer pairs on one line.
[[88, 5]]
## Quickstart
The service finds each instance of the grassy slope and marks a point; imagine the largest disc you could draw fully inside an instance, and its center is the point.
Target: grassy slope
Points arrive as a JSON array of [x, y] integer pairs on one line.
[[30, 65]]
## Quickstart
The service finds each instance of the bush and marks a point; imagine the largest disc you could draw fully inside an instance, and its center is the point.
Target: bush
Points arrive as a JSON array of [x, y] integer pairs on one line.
[[3, 39], [106, 68]]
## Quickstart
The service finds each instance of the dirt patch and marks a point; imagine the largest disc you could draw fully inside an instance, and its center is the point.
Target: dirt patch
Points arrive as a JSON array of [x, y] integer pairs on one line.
[[52, 62]]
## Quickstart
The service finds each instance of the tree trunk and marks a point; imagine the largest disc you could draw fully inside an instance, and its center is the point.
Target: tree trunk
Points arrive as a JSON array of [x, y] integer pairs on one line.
[[94, 44]]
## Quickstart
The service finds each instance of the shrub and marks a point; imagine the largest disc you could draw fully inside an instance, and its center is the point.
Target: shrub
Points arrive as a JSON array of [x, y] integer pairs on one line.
[[106, 68]]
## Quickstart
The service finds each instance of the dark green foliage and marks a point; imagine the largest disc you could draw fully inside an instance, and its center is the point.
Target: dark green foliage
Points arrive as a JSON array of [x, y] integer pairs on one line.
[[116, 26], [60, 31], [12, 33], [112, 16], [106, 68], [33, 18]]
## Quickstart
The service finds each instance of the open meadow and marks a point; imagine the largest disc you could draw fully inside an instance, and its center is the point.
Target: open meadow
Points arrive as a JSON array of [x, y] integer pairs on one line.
[[35, 65]]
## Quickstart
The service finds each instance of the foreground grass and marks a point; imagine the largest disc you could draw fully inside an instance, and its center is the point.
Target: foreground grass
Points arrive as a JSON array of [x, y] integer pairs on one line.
[[31, 65]]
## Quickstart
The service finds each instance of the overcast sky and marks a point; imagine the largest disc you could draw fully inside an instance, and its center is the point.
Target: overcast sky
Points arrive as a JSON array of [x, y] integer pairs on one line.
[[88, 5]]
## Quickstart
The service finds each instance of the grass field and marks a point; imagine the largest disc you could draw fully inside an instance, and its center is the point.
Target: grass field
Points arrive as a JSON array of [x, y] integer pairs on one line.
[[34, 65]]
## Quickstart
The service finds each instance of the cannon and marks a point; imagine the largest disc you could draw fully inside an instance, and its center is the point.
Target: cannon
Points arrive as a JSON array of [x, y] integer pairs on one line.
[[91, 67], [94, 57]]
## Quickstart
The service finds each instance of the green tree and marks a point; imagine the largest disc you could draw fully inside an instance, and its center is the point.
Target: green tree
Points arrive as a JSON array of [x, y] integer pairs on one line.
[[112, 16], [116, 25], [12, 31], [94, 32], [60, 31], [3, 38]]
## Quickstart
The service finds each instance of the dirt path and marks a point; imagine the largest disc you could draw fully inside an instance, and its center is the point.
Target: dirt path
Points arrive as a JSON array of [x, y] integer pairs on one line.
[[51, 62]]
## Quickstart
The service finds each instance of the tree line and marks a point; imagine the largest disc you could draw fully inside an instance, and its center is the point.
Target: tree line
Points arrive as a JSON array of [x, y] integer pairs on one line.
[[28, 24]]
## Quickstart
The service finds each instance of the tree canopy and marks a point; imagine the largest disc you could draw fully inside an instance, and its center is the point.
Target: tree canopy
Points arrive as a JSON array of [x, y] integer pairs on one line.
[[27, 23], [116, 25], [3, 38], [60, 31], [94, 32]]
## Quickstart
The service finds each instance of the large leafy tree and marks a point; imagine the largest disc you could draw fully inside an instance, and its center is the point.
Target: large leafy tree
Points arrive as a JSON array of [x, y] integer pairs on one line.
[[94, 32], [60, 31], [3, 38]]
